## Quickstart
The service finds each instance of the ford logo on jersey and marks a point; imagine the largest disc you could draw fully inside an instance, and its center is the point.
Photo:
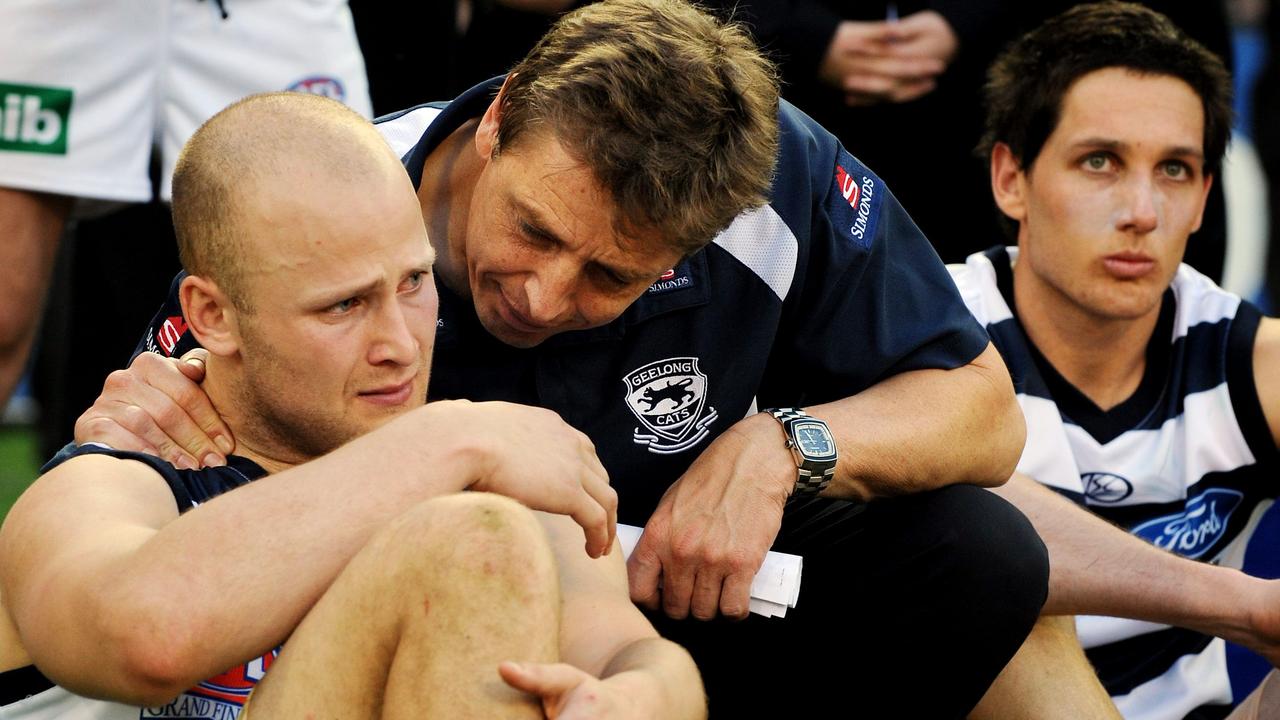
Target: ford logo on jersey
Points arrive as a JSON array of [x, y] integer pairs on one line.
[[1192, 532], [1105, 487]]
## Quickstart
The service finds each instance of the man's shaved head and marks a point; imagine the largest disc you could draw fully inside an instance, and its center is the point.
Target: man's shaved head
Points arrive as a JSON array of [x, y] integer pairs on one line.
[[270, 142]]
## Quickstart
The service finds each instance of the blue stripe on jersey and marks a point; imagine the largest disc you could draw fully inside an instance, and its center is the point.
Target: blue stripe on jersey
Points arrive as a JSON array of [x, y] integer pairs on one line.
[[1125, 664]]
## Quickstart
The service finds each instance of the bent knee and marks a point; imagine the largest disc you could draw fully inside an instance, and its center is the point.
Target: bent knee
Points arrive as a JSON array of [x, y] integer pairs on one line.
[[992, 541], [468, 532]]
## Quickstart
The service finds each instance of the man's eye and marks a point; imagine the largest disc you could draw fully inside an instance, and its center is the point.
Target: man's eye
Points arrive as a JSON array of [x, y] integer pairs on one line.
[[343, 306], [1097, 161], [1176, 170], [414, 281]]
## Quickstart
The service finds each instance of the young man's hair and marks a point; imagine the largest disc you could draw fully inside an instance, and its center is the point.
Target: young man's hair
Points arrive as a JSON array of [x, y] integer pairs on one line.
[[1026, 84], [673, 111]]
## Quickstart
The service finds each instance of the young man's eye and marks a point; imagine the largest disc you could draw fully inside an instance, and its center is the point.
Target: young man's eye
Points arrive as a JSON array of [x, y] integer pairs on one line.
[[1176, 170], [414, 281], [343, 306], [1097, 161]]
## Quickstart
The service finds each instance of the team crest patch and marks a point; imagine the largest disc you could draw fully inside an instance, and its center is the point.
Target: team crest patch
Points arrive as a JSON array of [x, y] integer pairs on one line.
[[1103, 487], [1192, 532], [669, 398], [330, 87]]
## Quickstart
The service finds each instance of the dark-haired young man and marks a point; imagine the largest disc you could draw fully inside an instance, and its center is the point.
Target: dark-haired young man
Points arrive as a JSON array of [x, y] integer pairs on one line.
[[633, 231], [1152, 396]]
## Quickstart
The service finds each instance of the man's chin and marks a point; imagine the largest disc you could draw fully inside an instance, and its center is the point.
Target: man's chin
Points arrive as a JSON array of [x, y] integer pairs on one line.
[[508, 335]]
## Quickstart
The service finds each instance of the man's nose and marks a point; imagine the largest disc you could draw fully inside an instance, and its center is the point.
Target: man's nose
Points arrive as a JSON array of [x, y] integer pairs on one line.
[[1139, 214], [550, 292], [393, 339]]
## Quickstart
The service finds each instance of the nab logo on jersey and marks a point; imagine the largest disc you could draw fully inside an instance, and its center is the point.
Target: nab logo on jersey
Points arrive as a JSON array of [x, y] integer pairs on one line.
[[1102, 487], [669, 397], [34, 118], [1192, 532], [329, 87]]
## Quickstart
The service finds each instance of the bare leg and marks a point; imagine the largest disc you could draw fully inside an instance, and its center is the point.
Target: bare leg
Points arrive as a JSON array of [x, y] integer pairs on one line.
[[1263, 703], [1049, 678], [30, 227], [416, 624]]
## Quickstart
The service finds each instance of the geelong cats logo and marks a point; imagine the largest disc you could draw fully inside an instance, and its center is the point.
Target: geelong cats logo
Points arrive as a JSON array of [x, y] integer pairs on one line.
[[669, 397]]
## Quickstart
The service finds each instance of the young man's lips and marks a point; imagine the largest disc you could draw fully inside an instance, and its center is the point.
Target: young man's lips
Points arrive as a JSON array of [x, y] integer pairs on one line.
[[1128, 265], [389, 395]]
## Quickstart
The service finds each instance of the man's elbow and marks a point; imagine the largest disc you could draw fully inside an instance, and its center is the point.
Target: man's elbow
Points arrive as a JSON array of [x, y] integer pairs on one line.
[[1002, 424]]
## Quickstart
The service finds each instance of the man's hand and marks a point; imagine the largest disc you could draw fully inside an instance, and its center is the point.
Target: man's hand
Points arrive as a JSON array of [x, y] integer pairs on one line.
[[568, 693], [532, 455], [709, 534], [889, 61], [157, 407]]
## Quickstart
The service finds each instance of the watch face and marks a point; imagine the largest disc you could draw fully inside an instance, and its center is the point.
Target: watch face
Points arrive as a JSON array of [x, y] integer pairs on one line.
[[814, 440]]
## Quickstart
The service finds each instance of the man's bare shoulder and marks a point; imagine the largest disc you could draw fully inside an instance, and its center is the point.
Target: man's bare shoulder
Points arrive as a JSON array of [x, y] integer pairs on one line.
[[1266, 372], [86, 491]]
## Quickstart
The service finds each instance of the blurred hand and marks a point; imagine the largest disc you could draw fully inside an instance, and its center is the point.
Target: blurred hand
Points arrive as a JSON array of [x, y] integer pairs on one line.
[[889, 61], [156, 407]]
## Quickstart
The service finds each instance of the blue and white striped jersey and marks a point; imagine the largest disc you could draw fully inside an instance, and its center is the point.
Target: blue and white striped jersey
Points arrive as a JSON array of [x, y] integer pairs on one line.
[[1187, 463]]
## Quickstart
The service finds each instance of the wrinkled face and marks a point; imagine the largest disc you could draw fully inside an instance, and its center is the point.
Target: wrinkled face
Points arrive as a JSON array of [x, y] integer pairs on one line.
[[542, 253], [344, 316], [1106, 208]]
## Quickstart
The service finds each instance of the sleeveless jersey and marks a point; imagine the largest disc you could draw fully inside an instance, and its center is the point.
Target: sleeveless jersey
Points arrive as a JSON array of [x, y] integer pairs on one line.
[[1187, 463], [25, 694]]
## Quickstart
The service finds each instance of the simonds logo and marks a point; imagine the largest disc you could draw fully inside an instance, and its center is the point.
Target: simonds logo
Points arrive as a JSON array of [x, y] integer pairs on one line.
[[1192, 532], [848, 187]]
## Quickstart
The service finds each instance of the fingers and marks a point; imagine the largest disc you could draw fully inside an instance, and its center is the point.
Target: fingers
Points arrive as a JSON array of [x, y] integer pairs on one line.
[[644, 571], [678, 578], [541, 679], [157, 403], [193, 364], [705, 602], [735, 597]]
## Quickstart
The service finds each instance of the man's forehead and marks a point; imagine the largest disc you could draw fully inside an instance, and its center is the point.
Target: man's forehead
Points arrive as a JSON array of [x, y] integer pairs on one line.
[[1115, 105]]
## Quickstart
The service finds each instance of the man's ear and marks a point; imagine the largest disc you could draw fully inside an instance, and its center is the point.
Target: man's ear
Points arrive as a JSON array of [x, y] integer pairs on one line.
[[487, 131], [210, 315], [1008, 183], [1204, 200]]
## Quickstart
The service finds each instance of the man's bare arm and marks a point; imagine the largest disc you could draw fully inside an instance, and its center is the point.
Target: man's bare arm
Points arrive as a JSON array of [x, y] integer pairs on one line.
[[117, 596], [912, 432], [1099, 569]]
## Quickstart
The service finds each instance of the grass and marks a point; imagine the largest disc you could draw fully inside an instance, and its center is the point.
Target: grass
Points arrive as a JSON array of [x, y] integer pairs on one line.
[[18, 463]]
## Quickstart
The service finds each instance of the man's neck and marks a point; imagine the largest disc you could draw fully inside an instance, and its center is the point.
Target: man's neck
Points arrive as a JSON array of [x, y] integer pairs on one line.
[[1104, 358], [251, 443], [448, 178]]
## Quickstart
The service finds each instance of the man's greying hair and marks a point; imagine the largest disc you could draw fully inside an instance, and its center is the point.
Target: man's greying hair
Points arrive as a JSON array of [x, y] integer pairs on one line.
[[673, 111], [1026, 84], [283, 138]]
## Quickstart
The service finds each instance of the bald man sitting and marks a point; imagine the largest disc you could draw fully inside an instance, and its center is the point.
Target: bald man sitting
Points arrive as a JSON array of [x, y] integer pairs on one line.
[[340, 524]]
